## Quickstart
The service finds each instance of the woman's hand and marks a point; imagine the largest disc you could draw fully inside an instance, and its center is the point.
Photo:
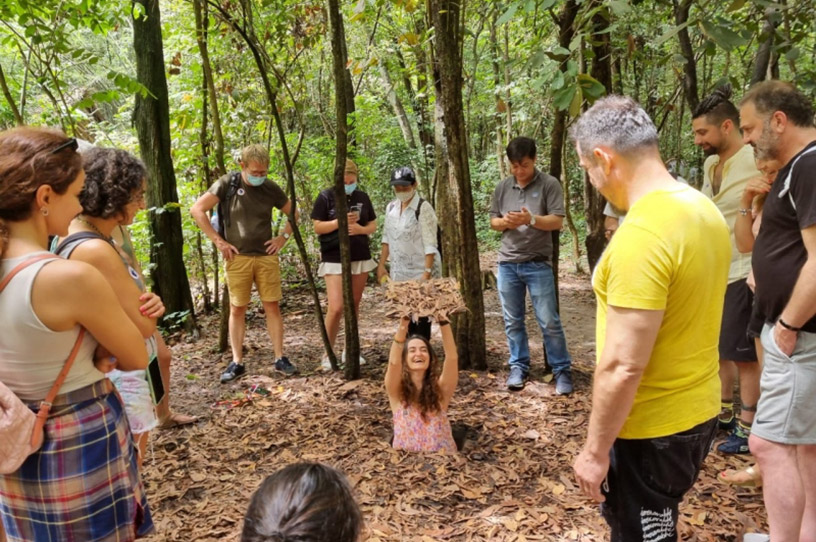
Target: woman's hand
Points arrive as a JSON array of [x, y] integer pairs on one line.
[[753, 188], [355, 229], [153, 306], [353, 217], [103, 360]]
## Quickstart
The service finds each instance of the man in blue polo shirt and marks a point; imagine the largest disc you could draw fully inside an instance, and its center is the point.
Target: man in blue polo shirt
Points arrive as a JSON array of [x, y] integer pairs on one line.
[[526, 208]]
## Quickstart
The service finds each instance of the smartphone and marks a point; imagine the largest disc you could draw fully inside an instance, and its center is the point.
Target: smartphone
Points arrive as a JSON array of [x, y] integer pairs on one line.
[[356, 208], [154, 380]]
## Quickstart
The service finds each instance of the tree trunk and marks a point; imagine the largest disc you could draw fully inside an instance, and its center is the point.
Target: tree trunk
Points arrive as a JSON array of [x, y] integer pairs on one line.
[[152, 119], [565, 34], [18, 118], [469, 326], [202, 22], [681, 15], [601, 70], [343, 96], [501, 143], [763, 57], [396, 105]]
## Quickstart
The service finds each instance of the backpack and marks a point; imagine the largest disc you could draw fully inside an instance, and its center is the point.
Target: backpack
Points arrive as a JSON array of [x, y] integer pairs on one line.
[[220, 217], [21, 431]]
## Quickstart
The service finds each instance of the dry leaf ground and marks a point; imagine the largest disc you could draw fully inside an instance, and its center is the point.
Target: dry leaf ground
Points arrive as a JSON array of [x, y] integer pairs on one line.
[[513, 481]]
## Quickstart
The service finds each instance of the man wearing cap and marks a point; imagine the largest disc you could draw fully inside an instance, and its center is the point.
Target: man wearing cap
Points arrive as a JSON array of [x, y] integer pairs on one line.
[[409, 239], [526, 208], [250, 251]]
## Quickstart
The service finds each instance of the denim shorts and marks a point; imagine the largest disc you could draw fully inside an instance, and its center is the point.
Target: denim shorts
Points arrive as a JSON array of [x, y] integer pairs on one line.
[[648, 478]]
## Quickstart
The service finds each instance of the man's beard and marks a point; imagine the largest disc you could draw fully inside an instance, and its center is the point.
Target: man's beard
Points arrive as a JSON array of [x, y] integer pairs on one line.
[[710, 151], [767, 146]]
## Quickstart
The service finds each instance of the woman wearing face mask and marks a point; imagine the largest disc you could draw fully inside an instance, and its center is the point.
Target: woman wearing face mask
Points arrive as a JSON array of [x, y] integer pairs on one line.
[[361, 223], [409, 239]]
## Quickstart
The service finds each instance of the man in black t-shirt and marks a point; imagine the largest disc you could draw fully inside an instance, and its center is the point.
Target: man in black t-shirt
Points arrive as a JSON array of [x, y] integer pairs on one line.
[[778, 121]]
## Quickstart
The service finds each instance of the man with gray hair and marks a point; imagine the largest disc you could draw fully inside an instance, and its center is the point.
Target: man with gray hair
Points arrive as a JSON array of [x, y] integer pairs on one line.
[[778, 121], [659, 286]]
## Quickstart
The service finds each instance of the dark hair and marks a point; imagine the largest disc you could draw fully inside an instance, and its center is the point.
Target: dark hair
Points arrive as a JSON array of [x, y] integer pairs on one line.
[[30, 158], [771, 96], [304, 502], [717, 107], [112, 177], [520, 148], [429, 395]]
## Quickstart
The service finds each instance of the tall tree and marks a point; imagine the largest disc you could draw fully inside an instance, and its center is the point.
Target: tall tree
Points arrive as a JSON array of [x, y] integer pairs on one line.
[[470, 326], [152, 118], [681, 16]]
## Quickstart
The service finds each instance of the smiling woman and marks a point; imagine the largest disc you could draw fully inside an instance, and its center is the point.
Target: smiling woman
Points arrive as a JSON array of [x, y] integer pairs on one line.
[[419, 395]]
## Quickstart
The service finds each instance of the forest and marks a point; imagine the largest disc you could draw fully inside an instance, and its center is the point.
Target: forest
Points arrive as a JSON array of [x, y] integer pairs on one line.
[[437, 85]]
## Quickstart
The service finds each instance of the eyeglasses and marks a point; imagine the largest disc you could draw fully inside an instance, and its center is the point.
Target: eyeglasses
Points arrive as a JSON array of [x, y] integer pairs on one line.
[[70, 144]]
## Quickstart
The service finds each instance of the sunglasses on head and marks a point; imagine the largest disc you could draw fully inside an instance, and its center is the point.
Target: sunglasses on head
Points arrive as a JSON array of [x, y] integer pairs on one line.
[[70, 144]]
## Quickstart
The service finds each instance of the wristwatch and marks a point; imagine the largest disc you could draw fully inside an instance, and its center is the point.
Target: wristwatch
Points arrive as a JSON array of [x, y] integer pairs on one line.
[[286, 235], [532, 219]]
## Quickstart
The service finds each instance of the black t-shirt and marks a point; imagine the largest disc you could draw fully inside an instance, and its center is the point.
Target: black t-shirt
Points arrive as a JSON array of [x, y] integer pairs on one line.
[[325, 209], [779, 252]]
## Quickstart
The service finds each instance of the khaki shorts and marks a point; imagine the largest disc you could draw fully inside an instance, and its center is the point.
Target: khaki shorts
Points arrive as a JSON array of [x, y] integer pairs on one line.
[[264, 271], [785, 413]]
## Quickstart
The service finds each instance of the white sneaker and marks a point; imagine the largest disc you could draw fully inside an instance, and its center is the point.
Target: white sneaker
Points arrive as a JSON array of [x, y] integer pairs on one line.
[[362, 359], [325, 364], [756, 537]]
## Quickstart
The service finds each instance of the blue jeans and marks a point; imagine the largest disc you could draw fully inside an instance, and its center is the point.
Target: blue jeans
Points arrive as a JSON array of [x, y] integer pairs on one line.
[[514, 281]]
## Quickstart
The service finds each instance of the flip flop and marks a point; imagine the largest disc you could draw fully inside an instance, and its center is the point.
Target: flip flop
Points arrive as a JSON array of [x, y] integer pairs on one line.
[[177, 420], [735, 478]]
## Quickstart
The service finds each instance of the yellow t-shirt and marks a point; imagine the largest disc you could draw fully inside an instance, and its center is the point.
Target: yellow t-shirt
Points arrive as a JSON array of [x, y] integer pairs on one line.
[[736, 172], [672, 253]]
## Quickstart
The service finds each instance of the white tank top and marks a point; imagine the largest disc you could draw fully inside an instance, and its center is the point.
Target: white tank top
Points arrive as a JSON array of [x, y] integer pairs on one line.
[[31, 354]]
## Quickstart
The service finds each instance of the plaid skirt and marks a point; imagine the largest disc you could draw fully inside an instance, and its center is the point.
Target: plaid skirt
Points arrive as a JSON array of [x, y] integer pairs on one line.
[[83, 484]]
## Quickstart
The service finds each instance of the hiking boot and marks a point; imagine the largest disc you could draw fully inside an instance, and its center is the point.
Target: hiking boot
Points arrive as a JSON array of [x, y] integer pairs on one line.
[[736, 443], [563, 382], [516, 379], [283, 365], [234, 370]]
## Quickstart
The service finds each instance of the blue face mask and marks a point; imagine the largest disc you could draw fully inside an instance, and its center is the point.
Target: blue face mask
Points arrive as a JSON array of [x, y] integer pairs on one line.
[[350, 188], [255, 181]]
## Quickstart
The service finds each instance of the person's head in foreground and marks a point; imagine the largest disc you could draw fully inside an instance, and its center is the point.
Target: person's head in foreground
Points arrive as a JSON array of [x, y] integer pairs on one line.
[[40, 180], [304, 502], [614, 139]]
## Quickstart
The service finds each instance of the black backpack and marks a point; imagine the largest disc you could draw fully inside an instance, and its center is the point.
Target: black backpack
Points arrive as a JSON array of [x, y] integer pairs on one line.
[[220, 218]]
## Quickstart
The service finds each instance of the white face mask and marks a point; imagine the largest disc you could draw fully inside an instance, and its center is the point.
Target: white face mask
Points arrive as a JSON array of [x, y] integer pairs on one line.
[[405, 196]]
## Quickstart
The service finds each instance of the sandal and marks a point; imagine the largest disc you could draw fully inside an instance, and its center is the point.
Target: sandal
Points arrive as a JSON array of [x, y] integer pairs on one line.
[[748, 477], [176, 420]]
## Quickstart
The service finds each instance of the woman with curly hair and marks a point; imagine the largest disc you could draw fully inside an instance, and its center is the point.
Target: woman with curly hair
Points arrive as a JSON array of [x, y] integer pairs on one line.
[[83, 482], [113, 194], [419, 393]]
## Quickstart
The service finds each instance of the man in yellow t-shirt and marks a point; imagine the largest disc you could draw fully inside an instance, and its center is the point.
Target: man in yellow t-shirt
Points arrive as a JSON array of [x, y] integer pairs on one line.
[[660, 287], [727, 170]]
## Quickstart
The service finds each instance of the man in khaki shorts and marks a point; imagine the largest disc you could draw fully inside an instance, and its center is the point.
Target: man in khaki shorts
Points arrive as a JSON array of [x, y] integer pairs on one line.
[[250, 251], [777, 120]]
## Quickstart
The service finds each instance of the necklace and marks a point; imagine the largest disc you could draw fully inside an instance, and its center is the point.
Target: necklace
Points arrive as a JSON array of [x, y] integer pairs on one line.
[[107, 238]]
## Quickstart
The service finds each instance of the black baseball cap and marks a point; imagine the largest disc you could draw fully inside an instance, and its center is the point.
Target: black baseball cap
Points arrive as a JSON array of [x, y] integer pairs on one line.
[[403, 176]]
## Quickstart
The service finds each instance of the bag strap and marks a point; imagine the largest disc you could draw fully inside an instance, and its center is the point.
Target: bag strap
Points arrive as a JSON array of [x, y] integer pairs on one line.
[[45, 404], [419, 207]]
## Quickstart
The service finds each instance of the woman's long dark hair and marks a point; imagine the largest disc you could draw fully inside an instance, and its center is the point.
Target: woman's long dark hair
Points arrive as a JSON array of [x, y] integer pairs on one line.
[[429, 397], [304, 502]]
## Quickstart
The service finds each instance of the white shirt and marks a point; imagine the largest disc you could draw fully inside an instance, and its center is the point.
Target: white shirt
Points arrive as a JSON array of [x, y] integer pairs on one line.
[[408, 240]]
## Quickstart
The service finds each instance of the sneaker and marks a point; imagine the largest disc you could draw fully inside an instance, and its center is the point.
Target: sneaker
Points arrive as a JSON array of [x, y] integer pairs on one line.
[[283, 365], [726, 419], [516, 379], [343, 362], [234, 370], [325, 364], [756, 537], [563, 382], [736, 443]]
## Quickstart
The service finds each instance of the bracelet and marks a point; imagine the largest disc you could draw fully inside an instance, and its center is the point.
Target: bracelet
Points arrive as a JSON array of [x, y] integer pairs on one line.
[[398, 341], [788, 326], [744, 212]]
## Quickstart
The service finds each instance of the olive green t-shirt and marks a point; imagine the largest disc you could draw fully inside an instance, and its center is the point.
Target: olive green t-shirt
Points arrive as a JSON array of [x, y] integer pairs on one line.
[[250, 213]]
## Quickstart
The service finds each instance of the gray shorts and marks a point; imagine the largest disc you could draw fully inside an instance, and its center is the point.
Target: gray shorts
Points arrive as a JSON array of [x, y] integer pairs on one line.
[[786, 412]]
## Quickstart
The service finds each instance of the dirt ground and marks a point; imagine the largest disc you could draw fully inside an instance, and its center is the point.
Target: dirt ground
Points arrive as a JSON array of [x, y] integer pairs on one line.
[[512, 482]]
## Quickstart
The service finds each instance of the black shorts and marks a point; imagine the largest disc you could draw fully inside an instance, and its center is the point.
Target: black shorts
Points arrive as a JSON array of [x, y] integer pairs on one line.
[[734, 342], [648, 478]]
